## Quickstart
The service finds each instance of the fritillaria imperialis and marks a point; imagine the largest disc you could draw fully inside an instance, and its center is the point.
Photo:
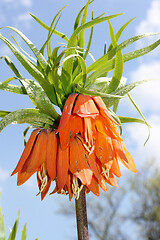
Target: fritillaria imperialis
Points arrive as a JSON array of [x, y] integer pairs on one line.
[[82, 146]]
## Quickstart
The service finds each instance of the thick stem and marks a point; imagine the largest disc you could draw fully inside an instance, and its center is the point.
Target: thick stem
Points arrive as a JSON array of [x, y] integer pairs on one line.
[[81, 215]]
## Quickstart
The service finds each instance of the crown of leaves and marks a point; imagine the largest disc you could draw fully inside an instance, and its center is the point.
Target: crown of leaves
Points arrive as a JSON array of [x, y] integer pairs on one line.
[[65, 71]]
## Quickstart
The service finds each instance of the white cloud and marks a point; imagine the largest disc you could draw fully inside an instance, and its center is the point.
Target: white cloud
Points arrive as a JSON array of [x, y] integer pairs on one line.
[[152, 21], [25, 3], [150, 24], [147, 95], [24, 19]]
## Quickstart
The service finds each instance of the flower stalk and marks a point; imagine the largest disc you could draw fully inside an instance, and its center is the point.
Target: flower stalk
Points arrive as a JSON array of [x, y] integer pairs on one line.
[[81, 216]]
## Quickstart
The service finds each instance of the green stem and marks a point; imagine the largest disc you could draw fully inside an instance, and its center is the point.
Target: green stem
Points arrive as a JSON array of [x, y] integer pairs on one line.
[[81, 215]]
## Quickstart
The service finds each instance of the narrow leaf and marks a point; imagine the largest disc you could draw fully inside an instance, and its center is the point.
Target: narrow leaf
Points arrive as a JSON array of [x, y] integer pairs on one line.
[[13, 233], [25, 116], [39, 97], [2, 227], [94, 93], [33, 48], [11, 65], [24, 232], [3, 113], [117, 75], [12, 88], [48, 28], [68, 66]]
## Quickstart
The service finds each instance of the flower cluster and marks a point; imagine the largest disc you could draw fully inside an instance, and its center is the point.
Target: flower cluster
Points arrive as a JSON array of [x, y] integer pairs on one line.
[[83, 151]]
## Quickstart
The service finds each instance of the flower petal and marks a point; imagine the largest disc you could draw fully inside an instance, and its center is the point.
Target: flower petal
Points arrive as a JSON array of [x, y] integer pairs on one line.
[[103, 109], [67, 110], [104, 149], [132, 165], [85, 107], [78, 159], [26, 151], [62, 166], [23, 177], [85, 176], [38, 154], [93, 186], [51, 154]]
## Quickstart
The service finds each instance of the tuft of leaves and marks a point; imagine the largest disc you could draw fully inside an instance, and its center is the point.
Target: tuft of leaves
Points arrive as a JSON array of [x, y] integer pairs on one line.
[[64, 70]]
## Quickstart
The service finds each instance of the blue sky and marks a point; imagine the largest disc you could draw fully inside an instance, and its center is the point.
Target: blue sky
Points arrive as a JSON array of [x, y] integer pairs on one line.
[[43, 222]]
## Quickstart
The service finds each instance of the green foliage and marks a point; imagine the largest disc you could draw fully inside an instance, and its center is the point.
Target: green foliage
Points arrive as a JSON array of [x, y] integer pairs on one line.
[[65, 70], [13, 233]]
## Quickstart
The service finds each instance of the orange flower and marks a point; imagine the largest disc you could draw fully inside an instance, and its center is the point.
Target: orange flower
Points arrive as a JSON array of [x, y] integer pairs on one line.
[[39, 156], [84, 151], [90, 147]]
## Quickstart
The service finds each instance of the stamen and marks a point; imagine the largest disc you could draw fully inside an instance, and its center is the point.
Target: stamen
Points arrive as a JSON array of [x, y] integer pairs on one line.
[[105, 172], [43, 176], [92, 149], [63, 192], [75, 188]]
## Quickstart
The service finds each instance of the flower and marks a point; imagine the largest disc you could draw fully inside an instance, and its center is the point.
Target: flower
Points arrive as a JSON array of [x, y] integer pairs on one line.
[[83, 151], [39, 156], [92, 146]]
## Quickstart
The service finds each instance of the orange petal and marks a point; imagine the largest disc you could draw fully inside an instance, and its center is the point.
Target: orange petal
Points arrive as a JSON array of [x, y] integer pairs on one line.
[[62, 166], [104, 149], [115, 168], [112, 180], [45, 190], [51, 154], [23, 177], [105, 126], [69, 186], [78, 159], [93, 166], [85, 176], [38, 154], [67, 110], [73, 127], [132, 165], [26, 151], [85, 107], [103, 109], [93, 186]]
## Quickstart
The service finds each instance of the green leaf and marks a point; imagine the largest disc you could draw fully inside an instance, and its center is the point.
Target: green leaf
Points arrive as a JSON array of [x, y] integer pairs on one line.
[[131, 120], [13, 233], [39, 97], [94, 93], [140, 52], [12, 66], [32, 69], [126, 89], [82, 33], [2, 227], [44, 64], [68, 66], [25, 116], [51, 32], [117, 75], [12, 88], [48, 28], [105, 58], [3, 113], [82, 64], [118, 34], [24, 232]]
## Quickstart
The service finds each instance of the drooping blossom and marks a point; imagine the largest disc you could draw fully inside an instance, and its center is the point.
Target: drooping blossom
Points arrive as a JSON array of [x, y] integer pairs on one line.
[[39, 156], [91, 147], [83, 151]]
